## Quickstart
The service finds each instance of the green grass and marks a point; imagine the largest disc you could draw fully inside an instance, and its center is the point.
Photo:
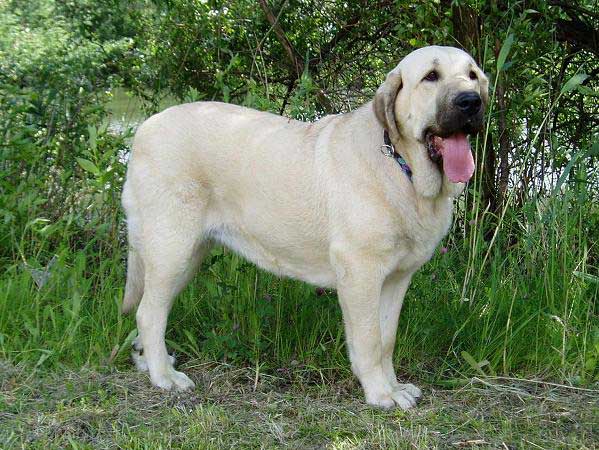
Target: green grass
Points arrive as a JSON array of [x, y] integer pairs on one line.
[[529, 311], [522, 305]]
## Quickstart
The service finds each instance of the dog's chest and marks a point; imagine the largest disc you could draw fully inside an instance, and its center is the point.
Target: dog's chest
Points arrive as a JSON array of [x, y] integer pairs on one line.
[[418, 234]]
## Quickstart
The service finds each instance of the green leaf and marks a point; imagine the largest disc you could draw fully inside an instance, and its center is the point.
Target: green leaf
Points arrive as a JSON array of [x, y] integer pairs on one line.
[[590, 364], [211, 287], [587, 276], [193, 342], [93, 136], [89, 166], [126, 345], [587, 91], [453, 382], [594, 150], [573, 82], [176, 347], [562, 179], [505, 50]]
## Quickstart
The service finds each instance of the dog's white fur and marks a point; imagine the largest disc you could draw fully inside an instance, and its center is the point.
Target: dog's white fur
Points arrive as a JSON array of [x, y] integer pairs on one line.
[[313, 201]]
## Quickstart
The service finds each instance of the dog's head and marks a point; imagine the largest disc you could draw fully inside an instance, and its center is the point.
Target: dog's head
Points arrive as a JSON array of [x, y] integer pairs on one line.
[[429, 104]]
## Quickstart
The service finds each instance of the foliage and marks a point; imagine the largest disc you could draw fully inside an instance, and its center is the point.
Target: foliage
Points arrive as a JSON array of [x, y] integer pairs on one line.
[[53, 84]]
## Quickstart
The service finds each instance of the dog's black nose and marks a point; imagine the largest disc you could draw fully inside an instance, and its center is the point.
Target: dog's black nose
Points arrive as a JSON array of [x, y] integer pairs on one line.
[[468, 102]]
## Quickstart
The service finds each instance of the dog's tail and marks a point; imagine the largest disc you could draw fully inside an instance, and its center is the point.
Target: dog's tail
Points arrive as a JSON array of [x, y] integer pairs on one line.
[[134, 289]]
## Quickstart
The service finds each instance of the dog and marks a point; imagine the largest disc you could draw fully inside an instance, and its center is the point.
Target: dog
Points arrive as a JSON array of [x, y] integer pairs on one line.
[[356, 202]]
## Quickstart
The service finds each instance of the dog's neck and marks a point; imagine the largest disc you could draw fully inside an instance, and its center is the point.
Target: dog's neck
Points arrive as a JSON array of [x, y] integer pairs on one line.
[[388, 149], [428, 182]]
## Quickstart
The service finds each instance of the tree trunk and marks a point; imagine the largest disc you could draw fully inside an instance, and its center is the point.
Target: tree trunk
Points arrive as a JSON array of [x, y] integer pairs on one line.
[[467, 28]]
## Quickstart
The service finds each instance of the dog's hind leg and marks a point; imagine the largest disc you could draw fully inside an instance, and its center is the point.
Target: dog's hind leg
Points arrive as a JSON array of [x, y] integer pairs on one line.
[[172, 245]]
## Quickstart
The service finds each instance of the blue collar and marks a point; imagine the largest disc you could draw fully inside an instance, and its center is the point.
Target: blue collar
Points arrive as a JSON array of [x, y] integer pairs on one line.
[[388, 150]]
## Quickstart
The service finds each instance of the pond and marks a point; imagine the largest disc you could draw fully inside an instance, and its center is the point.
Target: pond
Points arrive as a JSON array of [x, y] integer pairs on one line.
[[126, 110]]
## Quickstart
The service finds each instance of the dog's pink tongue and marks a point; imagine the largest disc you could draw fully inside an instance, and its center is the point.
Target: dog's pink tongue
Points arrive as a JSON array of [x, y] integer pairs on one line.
[[458, 163]]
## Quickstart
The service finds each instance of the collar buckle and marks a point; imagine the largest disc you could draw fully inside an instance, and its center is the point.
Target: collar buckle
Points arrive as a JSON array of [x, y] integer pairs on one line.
[[388, 150]]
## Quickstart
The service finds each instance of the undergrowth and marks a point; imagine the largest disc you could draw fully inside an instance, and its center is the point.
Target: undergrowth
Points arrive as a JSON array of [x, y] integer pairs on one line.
[[532, 312]]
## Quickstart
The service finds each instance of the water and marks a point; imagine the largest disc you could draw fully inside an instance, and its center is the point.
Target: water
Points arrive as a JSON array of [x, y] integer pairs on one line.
[[126, 110]]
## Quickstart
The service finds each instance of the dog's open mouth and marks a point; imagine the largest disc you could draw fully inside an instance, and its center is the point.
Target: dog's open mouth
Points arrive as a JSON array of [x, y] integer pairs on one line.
[[454, 153]]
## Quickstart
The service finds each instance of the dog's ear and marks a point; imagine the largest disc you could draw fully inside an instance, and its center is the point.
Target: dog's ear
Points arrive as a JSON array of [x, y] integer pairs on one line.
[[384, 103]]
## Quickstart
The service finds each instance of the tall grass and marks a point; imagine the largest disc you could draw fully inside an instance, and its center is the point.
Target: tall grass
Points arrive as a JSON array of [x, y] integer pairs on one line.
[[529, 311]]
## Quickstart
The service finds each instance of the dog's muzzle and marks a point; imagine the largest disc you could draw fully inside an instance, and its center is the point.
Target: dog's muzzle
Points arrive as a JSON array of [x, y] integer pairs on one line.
[[447, 142]]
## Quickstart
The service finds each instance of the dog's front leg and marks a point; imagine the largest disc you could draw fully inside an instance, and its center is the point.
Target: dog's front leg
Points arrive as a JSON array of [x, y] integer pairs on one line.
[[392, 295], [359, 290]]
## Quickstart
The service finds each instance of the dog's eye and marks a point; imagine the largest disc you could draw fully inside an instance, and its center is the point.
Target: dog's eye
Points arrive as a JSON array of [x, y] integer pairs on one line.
[[432, 76], [472, 75]]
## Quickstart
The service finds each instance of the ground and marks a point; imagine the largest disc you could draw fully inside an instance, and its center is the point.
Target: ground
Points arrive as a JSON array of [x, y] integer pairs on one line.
[[287, 408]]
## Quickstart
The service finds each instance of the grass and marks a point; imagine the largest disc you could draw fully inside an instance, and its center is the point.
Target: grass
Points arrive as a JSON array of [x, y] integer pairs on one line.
[[292, 408], [530, 311]]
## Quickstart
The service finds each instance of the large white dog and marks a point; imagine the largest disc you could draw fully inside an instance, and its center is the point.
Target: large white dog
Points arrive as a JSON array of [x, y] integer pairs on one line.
[[356, 202]]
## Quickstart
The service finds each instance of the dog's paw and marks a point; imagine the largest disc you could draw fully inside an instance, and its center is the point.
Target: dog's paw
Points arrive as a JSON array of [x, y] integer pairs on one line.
[[137, 356], [173, 380], [383, 402], [410, 389], [403, 399], [404, 396]]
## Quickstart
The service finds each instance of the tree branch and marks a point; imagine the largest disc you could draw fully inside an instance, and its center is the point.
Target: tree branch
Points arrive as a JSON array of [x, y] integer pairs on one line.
[[297, 64], [579, 29]]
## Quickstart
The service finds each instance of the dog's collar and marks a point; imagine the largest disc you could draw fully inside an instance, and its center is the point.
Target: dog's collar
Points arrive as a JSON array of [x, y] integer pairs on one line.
[[388, 150]]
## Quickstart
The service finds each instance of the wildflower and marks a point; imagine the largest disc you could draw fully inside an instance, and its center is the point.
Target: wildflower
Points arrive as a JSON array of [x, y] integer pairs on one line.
[[443, 250]]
